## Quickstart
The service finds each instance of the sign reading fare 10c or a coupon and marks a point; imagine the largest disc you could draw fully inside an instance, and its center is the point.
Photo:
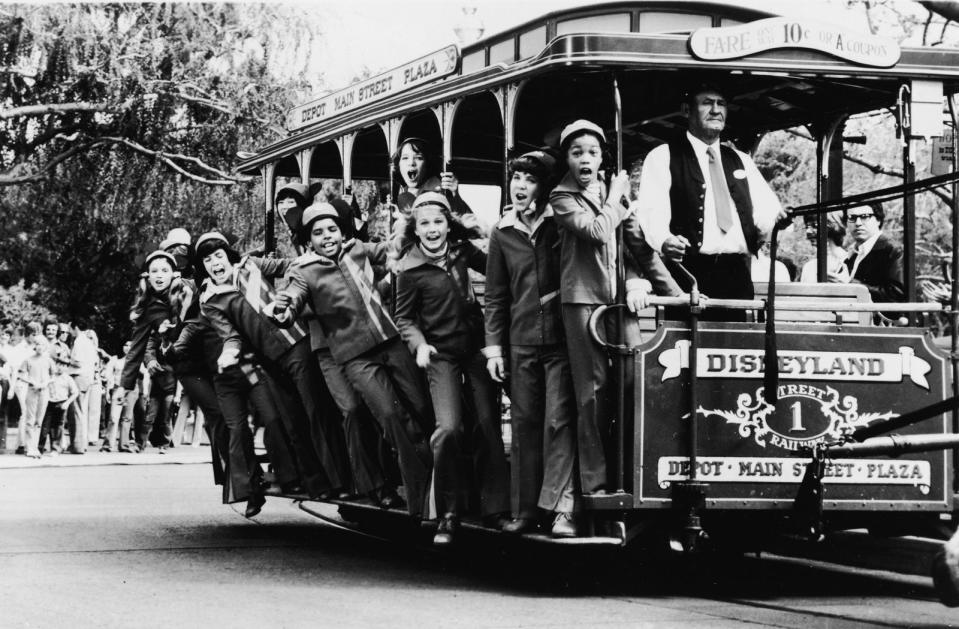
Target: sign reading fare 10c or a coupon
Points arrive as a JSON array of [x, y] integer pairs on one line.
[[405, 77], [732, 42]]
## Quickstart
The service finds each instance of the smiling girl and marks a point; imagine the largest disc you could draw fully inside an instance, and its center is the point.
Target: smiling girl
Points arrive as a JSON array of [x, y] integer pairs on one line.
[[442, 323]]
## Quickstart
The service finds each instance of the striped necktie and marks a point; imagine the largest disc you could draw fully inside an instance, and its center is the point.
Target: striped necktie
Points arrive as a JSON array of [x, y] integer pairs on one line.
[[363, 279], [258, 292]]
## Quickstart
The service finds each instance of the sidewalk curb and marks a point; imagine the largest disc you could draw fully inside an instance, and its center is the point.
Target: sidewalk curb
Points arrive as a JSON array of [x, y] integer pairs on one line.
[[186, 456]]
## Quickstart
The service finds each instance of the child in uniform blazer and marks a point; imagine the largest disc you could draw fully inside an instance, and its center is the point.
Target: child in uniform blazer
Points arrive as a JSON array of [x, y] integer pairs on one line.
[[235, 300], [442, 323], [524, 331], [589, 214], [337, 280]]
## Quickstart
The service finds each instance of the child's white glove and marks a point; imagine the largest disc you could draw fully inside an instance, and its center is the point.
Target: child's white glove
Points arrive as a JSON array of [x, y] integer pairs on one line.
[[226, 360], [423, 353], [496, 367]]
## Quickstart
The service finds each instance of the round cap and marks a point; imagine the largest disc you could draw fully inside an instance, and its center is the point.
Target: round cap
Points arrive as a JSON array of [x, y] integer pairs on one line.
[[318, 210], [436, 199], [159, 253], [214, 235], [176, 236], [545, 159], [581, 125]]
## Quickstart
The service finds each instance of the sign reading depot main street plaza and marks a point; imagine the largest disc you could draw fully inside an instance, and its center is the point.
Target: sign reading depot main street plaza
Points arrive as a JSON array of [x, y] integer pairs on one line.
[[419, 72], [750, 450]]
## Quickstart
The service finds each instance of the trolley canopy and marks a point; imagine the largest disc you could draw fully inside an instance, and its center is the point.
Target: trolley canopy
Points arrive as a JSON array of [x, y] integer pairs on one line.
[[768, 90]]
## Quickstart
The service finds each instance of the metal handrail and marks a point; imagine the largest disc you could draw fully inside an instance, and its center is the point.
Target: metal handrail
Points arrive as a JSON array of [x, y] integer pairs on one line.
[[819, 306]]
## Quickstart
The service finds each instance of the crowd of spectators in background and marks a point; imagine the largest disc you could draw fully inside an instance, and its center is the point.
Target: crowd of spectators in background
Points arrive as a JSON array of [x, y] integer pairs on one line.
[[63, 393]]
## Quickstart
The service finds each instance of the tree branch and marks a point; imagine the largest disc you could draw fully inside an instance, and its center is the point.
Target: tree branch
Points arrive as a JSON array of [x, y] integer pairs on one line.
[[55, 108], [223, 108], [9, 179], [168, 159]]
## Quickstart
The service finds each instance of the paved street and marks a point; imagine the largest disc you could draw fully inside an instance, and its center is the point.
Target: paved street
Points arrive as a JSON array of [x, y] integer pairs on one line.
[[149, 545]]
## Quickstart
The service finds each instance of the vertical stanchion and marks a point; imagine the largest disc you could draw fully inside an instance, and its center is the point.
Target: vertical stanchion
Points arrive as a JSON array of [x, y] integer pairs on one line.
[[620, 434], [821, 219], [954, 302], [908, 201]]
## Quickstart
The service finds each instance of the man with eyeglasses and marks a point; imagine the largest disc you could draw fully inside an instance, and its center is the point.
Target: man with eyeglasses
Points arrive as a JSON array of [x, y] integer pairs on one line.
[[876, 262]]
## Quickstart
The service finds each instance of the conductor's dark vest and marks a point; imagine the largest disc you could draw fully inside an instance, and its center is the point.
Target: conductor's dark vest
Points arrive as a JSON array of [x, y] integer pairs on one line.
[[688, 192]]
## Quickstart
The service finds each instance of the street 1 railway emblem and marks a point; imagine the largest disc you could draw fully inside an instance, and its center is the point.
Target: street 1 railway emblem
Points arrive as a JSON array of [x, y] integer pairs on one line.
[[815, 414]]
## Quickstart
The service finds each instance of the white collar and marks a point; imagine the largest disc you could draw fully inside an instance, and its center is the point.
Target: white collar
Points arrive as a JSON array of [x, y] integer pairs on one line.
[[700, 147], [511, 219]]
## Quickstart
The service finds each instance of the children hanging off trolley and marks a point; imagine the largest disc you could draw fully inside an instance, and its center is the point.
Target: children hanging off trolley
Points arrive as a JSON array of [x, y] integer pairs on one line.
[[525, 339], [337, 280], [442, 323], [419, 170], [235, 294], [192, 347], [589, 214]]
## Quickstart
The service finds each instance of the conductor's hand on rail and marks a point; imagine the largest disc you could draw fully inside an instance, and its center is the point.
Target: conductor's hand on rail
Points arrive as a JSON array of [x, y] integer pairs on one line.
[[423, 354], [784, 219], [619, 189], [674, 247], [496, 367], [448, 181]]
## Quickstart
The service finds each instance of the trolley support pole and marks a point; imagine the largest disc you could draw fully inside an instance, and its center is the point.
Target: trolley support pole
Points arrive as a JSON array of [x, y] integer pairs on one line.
[[689, 496], [620, 433], [909, 231], [954, 304]]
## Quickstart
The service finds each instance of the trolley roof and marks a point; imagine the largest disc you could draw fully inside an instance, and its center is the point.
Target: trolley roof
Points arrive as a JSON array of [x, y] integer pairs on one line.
[[779, 88]]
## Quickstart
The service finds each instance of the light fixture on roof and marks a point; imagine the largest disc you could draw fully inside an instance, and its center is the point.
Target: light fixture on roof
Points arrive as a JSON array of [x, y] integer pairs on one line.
[[470, 27]]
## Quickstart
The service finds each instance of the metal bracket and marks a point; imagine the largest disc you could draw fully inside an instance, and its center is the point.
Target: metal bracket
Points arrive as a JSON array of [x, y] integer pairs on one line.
[[808, 504], [689, 502]]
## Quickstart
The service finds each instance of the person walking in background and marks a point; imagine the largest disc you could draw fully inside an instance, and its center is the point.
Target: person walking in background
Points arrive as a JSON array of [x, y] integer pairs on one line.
[[35, 373], [95, 394], [118, 421], [82, 361], [61, 392]]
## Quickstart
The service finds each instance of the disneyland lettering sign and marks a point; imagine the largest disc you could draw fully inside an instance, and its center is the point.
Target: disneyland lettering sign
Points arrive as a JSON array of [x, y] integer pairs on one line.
[[799, 365], [733, 42], [423, 70]]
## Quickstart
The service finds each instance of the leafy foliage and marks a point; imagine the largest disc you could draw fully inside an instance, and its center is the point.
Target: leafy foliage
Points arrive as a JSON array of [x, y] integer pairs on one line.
[[121, 121]]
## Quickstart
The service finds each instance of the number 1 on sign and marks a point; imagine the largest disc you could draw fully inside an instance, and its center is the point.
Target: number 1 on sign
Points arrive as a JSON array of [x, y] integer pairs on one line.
[[797, 418]]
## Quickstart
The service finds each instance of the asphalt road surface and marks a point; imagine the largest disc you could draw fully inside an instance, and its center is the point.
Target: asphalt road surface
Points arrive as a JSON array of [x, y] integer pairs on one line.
[[150, 546]]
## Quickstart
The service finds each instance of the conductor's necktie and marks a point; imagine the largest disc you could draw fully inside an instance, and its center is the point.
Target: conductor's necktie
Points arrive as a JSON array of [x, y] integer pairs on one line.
[[724, 213]]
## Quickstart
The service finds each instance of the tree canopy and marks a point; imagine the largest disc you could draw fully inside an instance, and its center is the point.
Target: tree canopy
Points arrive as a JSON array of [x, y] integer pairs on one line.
[[120, 121]]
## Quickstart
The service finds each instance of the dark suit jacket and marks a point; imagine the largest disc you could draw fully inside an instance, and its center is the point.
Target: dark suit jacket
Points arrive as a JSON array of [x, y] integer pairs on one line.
[[881, 271]]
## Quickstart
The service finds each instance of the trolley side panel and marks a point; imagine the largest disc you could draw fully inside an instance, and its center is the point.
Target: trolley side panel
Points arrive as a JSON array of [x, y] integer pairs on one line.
[[753, 455]]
